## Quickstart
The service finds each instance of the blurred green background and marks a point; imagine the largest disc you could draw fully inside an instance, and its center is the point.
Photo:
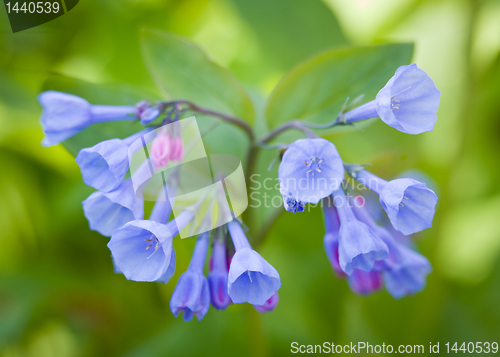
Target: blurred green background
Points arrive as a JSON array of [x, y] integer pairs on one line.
[[58, 293]]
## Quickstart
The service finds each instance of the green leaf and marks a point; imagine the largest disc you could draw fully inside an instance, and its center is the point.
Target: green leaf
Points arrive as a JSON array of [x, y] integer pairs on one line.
[[316, 89], [290, 31], [183, 71], [121, 94]]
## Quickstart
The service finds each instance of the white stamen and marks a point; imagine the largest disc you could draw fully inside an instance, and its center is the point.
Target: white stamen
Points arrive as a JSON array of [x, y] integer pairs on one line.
[[249, 276], [404, 90], [317, 169]]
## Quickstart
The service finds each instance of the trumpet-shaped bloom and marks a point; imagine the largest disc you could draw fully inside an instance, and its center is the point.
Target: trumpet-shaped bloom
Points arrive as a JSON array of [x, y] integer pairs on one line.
[[217, 278], [331, 238], [409, 204], [359, 248], [365, 283], [311, 169], [404, 271], [408, 102], [105, 165], [107, 211], [251, 278], [191, 295], [142, 249], [64, 115], [270, 304]]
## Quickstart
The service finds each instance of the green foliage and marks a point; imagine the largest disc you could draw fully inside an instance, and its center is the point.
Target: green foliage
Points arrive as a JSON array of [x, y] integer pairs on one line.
[[183, 71], [290, 31], [59, 295]]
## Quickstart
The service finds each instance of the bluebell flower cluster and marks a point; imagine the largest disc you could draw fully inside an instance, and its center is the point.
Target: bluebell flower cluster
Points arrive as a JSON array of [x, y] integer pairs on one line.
[[369, 254], [369, 251], [142, 249]]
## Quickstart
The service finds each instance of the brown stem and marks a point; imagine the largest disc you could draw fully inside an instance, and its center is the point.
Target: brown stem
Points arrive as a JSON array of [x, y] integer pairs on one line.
[[243, 125]]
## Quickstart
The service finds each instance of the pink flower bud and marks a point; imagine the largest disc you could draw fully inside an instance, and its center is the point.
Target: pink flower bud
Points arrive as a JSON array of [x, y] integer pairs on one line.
[[161, 150], [177, 149]]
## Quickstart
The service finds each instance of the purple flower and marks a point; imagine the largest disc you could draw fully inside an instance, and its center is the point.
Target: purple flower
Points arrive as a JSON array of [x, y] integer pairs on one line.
[[365, 283], [404, 271], [290, 203], [106, 211], [251, 278], [331, 239], [64, 115], [408, 102], [104, 165], [217, 278], [142, 249], [269, 305], [148, 115], [191, 294], [359, 248], [311, 169], [409, 204]]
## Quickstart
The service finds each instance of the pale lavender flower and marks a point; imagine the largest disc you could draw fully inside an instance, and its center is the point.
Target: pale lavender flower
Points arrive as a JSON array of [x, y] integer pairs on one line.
[[311, 169], [408, 102], [64, 115], [359, 248], [251, 278], [409, 204], [191, 295]]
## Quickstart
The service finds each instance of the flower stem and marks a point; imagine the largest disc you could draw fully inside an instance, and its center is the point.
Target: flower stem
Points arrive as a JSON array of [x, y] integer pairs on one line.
[[294, 124], [230, 119]]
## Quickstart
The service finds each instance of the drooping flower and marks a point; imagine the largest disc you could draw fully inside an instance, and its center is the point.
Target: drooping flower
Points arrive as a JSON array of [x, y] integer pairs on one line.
[[359, 248], [105, 165], [64, 115], [217, 278], [251, 278], [269, 305], [408, 102], [365, 282], [409, 204], [107, 211], [142, 249], [191, 295], [311, 169], [404, 271], [331, 239]]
